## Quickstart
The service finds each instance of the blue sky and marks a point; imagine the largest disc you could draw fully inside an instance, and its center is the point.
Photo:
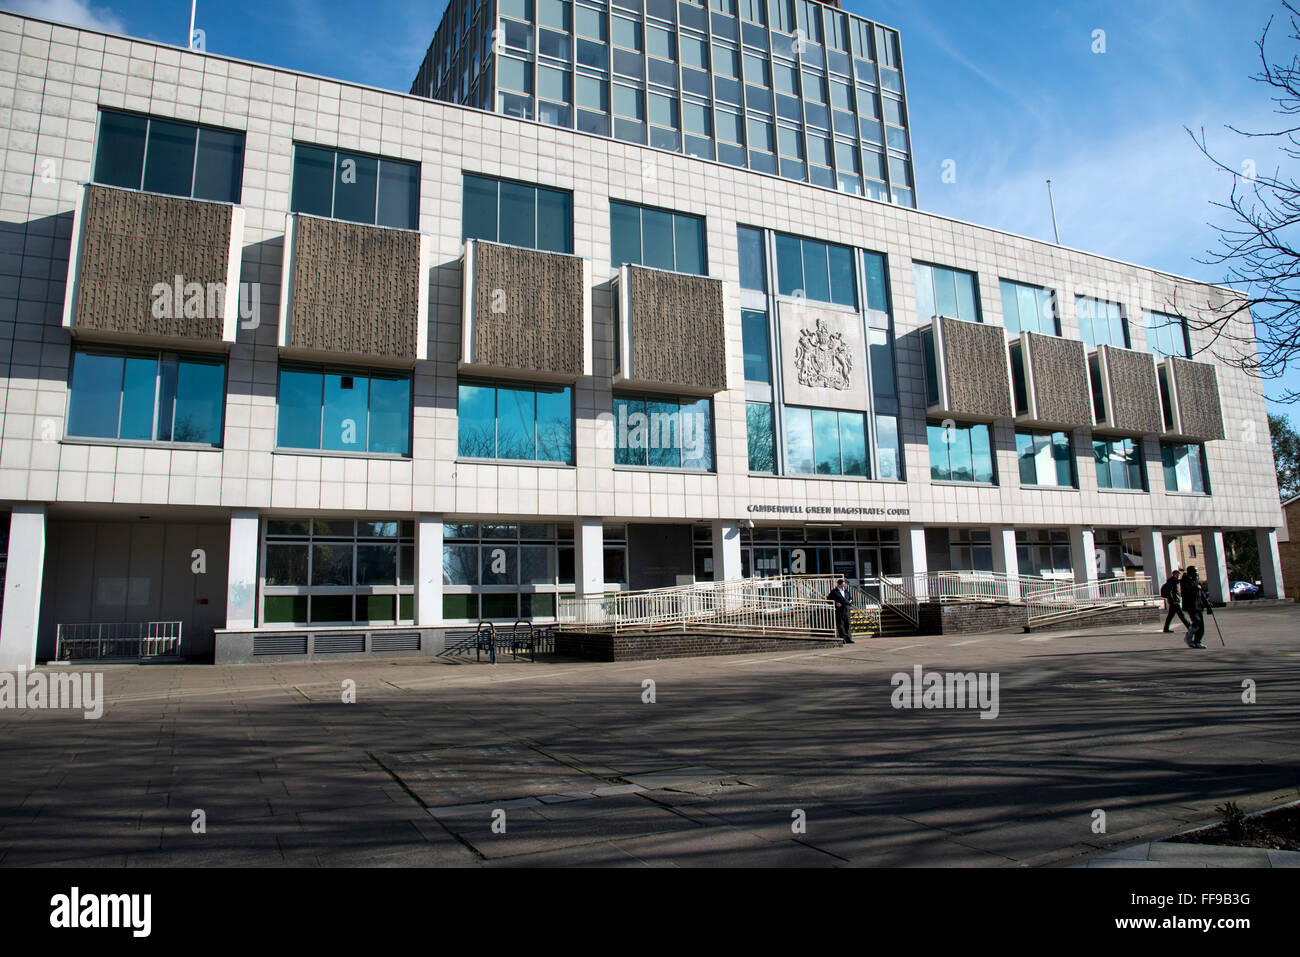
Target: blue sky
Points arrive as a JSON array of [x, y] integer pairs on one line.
[[1011, 92]]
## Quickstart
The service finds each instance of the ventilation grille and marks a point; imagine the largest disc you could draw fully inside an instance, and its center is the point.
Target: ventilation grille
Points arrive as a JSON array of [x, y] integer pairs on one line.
[[280, 645], [409, 642], [340, 644]]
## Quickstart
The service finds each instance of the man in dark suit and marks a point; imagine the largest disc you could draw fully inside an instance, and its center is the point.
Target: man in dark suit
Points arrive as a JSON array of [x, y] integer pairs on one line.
[[843, 602], [1173, 602], [1194, 602]]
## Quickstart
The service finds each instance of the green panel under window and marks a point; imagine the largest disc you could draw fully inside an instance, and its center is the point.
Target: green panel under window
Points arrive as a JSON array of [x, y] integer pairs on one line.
[[537, 606], [460, 606], [375, 608], [501, 606], [331, 608], [406, 608], [284, 609]]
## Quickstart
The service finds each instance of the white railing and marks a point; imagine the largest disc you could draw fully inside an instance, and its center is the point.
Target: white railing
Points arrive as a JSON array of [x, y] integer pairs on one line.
[[1071, 600], [784, 605], [119, 639], [894, 596], [974, 586]]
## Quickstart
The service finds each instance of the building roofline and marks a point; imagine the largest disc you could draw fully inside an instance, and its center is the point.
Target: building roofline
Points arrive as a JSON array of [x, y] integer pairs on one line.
[[456, 106]]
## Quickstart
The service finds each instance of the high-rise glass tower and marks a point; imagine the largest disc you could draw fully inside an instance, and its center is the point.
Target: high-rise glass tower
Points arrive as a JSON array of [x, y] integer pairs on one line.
[[797, 88]]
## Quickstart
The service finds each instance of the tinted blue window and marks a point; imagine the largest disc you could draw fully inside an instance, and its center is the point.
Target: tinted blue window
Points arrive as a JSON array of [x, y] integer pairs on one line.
[[299, 408], [390, 415], [758, 365], [631, 433], [815, 270], [625, 233], [887, 453], [664, 433], [168, 156], [518, 223], [476, 421], [355, 181], [355, 187], [665, 436], [515, 422], [877, 286], [753, 274], [656, 238], [697, 434], [479, 208], [200, 388], [946, 292], [399, 195], [96, 396], [799, 441], [139, 390], [816, 278], [960, 453], [555, 425], [169, 160], [119, 158], [313, 181], [344, 423], [789, 265], [758, 430], [554, 221]]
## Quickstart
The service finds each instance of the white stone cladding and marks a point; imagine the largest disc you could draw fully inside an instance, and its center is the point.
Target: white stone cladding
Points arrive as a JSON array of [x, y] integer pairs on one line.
[[54, 79]]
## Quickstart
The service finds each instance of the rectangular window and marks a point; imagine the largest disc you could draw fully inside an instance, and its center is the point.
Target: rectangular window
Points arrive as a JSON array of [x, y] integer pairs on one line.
[[1185, 469], [877, 282], [1029, 309], [825, 442], [960, 453], [147, 397], [1167, 335], [169, 156], [753, 271], [758, 364], [664, 433], [356, 187], [809, 269], [505, 571], [338, 572], [509, 421], [517, 214], [888, 451], [658, 238], [946, 292], [758, 430], [344, 410], [1119, 464], [1045, 459], [1102, 323]]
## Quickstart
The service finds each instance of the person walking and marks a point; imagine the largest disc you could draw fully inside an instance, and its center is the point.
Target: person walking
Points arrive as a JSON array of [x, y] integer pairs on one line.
[[1173, 602], [843, 602], [1193, 597]]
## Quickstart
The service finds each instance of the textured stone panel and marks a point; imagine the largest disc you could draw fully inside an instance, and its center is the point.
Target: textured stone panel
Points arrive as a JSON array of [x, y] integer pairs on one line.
[[528, 311], [355, 289], [132, 241], [1062, 390], [1134, 392], [823, 360], [1200, 414], [979, 379], [678, 330]]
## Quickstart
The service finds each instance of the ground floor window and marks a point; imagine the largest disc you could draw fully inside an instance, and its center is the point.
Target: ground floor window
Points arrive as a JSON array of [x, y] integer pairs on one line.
[[149, 397], [854, 553], [505, 571], [960, 452], [338, 571], [970, 549], [1119, 464], [702, 544], [1044, 552], [1184, 467], [615, 557], [1110, 553]]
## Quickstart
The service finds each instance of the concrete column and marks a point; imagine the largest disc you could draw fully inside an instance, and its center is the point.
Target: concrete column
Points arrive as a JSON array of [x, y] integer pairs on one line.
[[428, 570], [1215, 572], [1171, 549], [241, 577], [1006, 560], [1270, 563], [912, 540], [20, 614], [1153, 555], [589, 556], [726, 551], [1083, 553]]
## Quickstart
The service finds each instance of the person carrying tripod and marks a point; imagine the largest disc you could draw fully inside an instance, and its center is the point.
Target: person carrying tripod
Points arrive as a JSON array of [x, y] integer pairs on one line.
[[1173, 602], [1195, 601]]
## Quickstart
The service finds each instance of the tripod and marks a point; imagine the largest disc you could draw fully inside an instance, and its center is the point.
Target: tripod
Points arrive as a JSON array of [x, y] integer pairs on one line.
[[1204, 597]]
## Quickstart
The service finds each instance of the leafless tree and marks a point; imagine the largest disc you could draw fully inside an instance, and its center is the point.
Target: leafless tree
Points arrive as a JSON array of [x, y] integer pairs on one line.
[[1259, 245]]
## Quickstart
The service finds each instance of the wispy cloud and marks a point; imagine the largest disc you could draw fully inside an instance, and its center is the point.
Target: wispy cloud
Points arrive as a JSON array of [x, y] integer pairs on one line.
[[79, 13]]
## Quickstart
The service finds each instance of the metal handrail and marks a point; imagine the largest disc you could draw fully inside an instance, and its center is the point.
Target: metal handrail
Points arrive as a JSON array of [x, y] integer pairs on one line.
[[1073, 600], [118, 639], [491, 641]]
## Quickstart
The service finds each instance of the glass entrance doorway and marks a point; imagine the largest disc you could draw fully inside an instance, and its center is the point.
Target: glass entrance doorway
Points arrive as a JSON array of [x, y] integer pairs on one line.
[[809, 550]]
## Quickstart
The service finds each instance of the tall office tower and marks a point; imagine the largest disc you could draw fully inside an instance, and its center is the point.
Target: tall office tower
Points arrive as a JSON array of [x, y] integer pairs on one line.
[[796, 88]]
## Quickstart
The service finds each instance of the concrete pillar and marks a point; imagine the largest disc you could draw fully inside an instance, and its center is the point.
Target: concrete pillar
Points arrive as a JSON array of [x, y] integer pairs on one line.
[[241, 576], [1171, 547], [1153, 555], [1215, 571], [1006, 560], [912, 539], [589, 556], [1083, 553], [726, 551], [428, 570], [20, 613], [1270, 563]]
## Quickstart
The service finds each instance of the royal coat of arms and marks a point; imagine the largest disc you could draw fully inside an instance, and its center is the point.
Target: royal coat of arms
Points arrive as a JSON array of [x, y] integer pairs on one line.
[[822, 359]]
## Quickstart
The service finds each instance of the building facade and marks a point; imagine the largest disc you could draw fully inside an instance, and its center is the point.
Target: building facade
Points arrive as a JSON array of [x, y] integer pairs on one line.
[[798, 88], [313, 368]]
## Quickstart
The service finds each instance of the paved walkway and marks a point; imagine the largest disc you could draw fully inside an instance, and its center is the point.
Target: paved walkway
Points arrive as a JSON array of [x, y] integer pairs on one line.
[[769, 760], [1167, 854]]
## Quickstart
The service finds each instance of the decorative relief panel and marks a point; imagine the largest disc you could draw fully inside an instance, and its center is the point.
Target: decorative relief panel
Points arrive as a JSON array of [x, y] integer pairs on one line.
[[1134, 392], [823, 359], [674, 331], [1062, 393], [976, 367], [1199, 412]]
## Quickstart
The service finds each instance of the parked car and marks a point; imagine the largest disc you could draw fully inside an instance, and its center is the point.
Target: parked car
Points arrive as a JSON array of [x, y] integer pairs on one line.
[[1244, 591]]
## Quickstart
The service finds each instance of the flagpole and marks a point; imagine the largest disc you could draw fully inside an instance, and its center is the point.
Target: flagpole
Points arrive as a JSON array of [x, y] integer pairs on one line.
[[189, 41]]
